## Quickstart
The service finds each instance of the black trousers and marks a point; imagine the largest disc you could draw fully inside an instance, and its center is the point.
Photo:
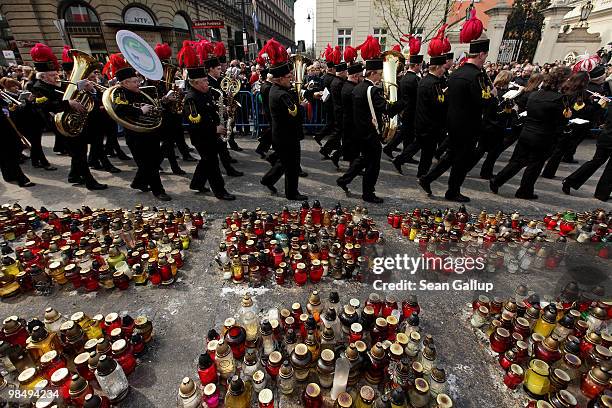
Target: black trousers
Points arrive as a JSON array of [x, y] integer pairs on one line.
[[328, 113], [77, 147], [224, 155], [368, 160], [37, 155], [458, 159], [288, 163], [61, 143], [146, 152], [486, 170], [427, 143], [526, 156], [334, 142], [95, 134], [207, 168], [168, 139], [265, 141], [112, 142], [580, 176], [179, 140], [406, 137], [566, 146], [9, 158]]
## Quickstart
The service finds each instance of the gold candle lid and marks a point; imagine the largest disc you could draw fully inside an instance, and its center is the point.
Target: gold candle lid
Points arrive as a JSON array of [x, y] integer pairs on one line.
[[313, 390], [48, 357], [327, 355]]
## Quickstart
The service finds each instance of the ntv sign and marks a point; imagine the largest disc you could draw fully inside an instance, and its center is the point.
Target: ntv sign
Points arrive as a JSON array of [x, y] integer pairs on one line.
[[138, 16]]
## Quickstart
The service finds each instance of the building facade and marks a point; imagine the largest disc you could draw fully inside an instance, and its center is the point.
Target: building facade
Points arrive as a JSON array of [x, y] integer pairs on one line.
[[91, 25], [348, 22]]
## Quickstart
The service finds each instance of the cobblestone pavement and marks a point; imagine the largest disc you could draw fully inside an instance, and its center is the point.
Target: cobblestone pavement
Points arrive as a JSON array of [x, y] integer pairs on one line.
[[183, 312]]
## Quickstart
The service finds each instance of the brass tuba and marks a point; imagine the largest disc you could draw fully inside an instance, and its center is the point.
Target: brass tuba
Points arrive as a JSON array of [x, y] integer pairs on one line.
[[393, 61], [70, 123], [300, 63], [140, 123], [176, 106]]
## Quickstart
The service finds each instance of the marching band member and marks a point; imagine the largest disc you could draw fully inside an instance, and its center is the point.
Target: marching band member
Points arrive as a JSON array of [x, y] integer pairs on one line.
[[48, 95], [469, 90], [11, 148], [334, 142], [213, 67], [328, 106], [350, 146], [145, 149], [172, 123], [205, 127], [369, 104], [286, 124]]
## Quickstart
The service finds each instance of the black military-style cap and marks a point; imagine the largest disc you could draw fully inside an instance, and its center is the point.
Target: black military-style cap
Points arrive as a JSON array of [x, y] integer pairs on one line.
[[280, 70], [450, 56], [341, 67], [212, 63], [355, 68], [415, 59], [125, 73], [44, 66], [374, 64], [197, 72], [477, 46], [437, 60]]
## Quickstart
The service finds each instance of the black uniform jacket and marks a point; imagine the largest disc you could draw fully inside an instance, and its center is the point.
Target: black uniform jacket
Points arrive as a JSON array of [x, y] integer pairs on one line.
[[346, 95], [265, 98], [362, 117], [469, 90], [48, 101], [430, 110], [286, 114], [408, 93], [544, 122], [336, 96], [200, 113]]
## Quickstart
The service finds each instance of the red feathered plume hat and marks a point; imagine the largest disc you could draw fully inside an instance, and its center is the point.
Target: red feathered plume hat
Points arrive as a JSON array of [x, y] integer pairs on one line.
[[438, 47], [205, 50], [67, 62], [219, 52], [163, 51], [187, 58], [370, 53], [328, 55], [337, 58], [350, 56], [471, 31], [279, 59], [43, 57], [118, 67]]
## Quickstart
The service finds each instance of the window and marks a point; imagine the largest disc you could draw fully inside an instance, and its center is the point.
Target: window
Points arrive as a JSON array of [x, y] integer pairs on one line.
[[181, 29], [80, 13], [138, 16], [381, 35], [344, 38]]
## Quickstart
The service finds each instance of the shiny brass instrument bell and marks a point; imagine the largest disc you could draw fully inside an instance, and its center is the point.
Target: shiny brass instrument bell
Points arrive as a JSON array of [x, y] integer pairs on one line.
[[392, 62], [70, 123]]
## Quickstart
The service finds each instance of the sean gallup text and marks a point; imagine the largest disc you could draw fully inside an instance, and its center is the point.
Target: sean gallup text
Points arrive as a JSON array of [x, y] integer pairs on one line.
[[425, 285]]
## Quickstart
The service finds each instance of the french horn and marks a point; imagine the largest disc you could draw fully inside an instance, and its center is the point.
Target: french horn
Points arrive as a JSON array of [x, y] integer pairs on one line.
[[139, 123]]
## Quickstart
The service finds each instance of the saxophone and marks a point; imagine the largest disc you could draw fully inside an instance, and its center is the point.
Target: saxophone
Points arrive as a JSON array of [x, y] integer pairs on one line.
[[221, 111]]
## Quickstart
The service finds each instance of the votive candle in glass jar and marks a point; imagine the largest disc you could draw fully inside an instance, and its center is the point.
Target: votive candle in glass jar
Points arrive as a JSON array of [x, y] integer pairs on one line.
[[500, 340], [514, 376], [285, 379], [594, 382], [312, 396], [537, 380], [479, 317], [211, 395], [112, 379], [265, 398]]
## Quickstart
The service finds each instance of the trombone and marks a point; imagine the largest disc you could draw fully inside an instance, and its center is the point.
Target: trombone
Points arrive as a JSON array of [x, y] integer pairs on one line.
[[14, 102], [99, 87]]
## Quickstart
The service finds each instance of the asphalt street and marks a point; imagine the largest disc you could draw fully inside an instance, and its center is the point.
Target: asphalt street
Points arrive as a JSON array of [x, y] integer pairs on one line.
[[183, 312]]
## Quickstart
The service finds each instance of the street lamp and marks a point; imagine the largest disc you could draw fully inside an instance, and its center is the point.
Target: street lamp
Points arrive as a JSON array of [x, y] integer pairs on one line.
[[468, 11], [585, 11], [310, 19]]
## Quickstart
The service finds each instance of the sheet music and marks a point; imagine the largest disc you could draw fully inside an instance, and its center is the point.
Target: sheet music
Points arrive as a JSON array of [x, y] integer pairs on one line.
[[578, 121], [513, 93], [325, 95]]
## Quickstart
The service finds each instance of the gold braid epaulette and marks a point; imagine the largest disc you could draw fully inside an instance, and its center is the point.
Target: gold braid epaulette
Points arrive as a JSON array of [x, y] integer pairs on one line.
[[195, 119], [41, 100], [120, 98]]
